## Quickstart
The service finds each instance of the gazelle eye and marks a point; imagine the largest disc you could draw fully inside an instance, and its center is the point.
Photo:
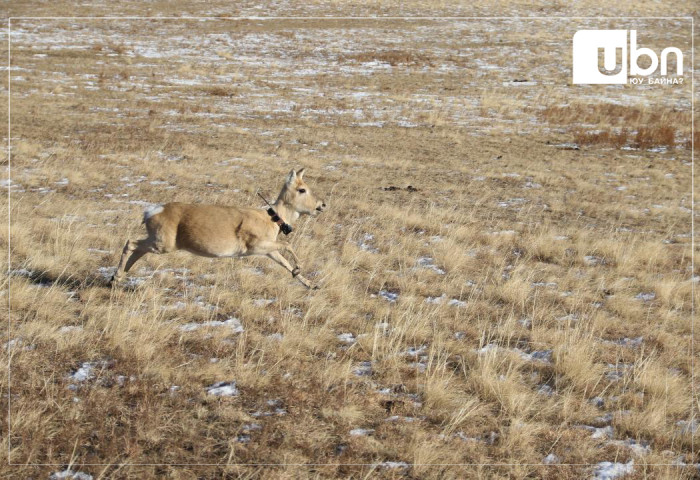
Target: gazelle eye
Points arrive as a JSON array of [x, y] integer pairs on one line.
[[302, 190]]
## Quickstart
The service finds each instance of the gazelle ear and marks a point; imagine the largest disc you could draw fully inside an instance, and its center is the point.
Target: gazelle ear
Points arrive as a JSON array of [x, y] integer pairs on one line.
[[300, 174], [291, 177]]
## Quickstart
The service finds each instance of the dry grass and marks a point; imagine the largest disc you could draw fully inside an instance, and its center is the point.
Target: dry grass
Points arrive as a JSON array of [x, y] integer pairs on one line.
[[522, 296], [606, 138], [625, 126]]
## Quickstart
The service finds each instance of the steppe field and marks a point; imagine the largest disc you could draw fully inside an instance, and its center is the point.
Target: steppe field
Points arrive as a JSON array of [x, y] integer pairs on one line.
[[524, 310]]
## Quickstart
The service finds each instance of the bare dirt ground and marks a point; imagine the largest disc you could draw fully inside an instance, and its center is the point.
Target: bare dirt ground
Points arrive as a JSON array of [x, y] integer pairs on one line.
[[528, 305]]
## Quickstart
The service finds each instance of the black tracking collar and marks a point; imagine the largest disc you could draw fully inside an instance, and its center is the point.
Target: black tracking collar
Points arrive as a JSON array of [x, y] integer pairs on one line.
[[284, 227]]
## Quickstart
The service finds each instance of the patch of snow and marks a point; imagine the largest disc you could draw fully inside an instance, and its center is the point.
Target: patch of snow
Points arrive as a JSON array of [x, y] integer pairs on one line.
[[365, 245], [86, 371], [545, 390], [107, 272], [263, 302], [566, 146], [415, 351], [18, 342], [396, 418], [688, 426], [361, 432], [544, 356], [393, 465], [223, 389], [364, 369], [383, 326], [571, 317], [488, 348], [592, 260], [21, 272], [441, 299], [427, 262], [488, 439], [611, 470], [627, 342], [512, 202], [514, 83], [646, 296], [276, 409], [233, 323], [97, 250], [607, 418], [617, 372], [551, 459], [436, 300], [636, 447], [604, 432], [70, 475], [347, 338], [70, 328], [389, 296]]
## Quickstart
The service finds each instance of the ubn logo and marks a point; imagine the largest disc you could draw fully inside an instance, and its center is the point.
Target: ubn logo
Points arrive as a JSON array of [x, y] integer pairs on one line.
[[589, 43]]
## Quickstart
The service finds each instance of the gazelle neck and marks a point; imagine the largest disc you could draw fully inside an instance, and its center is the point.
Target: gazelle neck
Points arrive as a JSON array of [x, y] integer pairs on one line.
[[285, 212]]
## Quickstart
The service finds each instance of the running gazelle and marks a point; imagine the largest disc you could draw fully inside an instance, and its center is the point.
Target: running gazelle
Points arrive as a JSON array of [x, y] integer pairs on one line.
[[220, 231]]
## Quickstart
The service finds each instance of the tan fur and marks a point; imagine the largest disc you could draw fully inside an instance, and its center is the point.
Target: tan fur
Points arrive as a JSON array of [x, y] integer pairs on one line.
[[220, 231]]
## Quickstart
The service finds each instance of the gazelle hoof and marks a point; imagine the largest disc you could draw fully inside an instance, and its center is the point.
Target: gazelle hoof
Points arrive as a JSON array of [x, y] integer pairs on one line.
[[296, 271], [113, 281]]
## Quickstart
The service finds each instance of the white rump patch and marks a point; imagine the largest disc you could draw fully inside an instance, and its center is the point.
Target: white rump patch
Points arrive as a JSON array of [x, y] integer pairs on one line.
[[151, 210]]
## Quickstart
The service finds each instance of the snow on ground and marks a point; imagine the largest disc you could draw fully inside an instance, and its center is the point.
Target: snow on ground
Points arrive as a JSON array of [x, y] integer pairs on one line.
[[544, 356], [388, 296], [453, 302], [347, 338], [87, 371], [233, 323], [70, 475], [429, 263], [364, 369], [611, 470], [223, 389], [402, 465]]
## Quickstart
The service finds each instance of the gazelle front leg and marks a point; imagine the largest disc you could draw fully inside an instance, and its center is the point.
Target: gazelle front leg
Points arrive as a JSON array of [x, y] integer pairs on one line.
[[272, 250], [288, 249], [277, 257], [133, 251]]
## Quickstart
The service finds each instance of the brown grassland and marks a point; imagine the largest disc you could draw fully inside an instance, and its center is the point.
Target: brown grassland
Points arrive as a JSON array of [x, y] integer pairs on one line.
[[525, 313]]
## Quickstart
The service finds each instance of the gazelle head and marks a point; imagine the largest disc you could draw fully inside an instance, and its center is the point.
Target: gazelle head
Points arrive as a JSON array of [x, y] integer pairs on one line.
[[297, 195]]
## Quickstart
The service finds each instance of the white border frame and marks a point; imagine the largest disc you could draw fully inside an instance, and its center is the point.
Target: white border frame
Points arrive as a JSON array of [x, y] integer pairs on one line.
[[378, 18]]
